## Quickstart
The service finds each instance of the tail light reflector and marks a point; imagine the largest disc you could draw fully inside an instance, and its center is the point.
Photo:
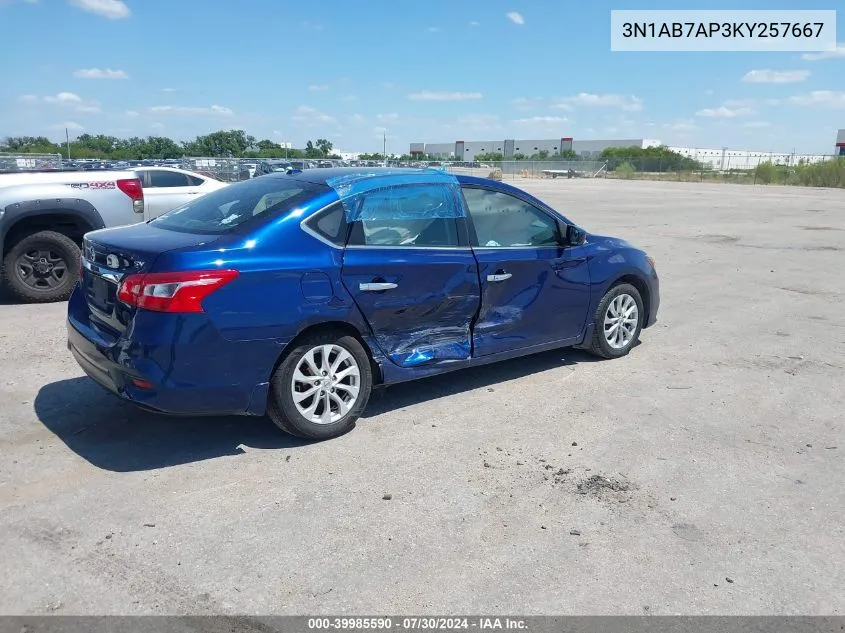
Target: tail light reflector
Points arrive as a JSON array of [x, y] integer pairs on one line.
[[172, 292], [132, 188]]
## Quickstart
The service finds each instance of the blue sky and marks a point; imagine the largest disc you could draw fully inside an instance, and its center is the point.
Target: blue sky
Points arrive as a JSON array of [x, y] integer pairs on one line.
[[438, 70]]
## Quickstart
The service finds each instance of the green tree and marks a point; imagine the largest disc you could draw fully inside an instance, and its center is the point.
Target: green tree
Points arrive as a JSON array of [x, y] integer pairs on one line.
[[519, 156], [324, 146], [490, 157]]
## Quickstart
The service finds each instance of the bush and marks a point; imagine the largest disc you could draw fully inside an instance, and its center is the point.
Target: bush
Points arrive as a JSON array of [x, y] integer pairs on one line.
[[496, 174], [625, 170], [765, 173]]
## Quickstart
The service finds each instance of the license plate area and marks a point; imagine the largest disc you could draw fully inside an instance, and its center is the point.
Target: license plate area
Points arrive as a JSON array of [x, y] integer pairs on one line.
[[101, 293]]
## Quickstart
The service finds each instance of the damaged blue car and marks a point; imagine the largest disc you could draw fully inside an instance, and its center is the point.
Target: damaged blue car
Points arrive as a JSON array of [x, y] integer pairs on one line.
[[295, 294]]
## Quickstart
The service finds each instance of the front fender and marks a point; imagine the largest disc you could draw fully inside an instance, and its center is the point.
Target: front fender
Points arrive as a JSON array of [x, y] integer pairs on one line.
[[82, 211]]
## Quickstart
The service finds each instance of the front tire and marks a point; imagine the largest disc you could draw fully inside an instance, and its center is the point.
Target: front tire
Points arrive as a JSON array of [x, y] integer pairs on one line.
[[618, 322], [42, 267], [321, 387]]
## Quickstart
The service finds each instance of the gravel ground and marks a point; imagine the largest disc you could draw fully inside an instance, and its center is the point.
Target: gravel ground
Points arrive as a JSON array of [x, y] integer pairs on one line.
[[702, 474]]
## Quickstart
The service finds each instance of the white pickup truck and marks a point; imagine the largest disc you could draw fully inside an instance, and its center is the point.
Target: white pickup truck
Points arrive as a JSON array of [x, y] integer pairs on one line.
[[43, 216]]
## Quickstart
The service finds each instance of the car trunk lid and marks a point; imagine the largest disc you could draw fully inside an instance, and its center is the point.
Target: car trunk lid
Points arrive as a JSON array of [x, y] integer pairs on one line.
[[109, 255]]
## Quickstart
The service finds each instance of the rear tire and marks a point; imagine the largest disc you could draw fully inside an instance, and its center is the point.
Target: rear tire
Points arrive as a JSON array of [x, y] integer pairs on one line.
[[42, 267], [618, 322], [321, 387]]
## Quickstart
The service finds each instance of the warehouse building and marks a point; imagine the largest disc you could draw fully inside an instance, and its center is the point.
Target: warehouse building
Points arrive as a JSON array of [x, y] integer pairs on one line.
[[468, 150], [839, 150]]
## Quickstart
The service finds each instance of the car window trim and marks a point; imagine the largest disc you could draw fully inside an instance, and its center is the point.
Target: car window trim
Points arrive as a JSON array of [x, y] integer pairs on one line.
[[313, 217], [548, 211]]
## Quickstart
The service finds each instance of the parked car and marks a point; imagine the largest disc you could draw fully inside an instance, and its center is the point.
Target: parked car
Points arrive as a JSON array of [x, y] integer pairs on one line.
[[272, 166], [166, 188], [296, 294], [43, 216]]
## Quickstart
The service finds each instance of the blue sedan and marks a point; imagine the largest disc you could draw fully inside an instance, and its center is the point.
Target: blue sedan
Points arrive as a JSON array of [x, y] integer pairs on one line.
[[295, 294]]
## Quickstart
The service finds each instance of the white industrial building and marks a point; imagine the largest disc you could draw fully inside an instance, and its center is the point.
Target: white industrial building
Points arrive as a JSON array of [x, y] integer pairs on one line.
[[723, 159], [720, 158], [468, 150]]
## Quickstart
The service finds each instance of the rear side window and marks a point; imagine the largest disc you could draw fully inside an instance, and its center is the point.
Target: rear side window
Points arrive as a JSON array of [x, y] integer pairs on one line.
[[239, 205], [161, 178], [409, 215], [330, 224]]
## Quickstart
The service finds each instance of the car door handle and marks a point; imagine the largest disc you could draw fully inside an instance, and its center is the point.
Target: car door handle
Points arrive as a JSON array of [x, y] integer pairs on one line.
[[499, 277], [376, 286]]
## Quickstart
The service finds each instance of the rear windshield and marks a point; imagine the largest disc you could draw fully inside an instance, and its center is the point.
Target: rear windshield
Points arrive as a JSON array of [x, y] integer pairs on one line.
[[239, 205]]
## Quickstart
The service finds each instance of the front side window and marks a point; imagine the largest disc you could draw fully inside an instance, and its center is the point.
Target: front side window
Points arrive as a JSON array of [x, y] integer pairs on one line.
[[233, 207], [411, 215], [501, 220]]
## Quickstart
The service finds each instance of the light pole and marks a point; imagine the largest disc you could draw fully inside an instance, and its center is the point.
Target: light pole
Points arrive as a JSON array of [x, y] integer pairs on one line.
[[384, 147]]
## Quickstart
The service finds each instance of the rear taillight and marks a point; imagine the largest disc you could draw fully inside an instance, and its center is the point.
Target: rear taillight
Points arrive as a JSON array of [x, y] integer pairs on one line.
[[172, 292], [132, 188]]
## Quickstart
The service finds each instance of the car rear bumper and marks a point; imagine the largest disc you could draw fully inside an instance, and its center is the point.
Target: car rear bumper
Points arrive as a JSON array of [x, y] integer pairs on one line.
[[177, 374]]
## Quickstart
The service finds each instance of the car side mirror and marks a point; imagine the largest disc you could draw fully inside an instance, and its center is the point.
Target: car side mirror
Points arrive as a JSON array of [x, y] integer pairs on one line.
[[574, 235]]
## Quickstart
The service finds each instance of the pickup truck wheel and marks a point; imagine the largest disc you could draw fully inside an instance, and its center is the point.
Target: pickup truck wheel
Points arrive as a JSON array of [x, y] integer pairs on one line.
[[321, 387], [42, 267]]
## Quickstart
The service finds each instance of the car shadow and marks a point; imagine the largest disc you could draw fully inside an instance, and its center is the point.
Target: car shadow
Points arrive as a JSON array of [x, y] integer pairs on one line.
[[418, 391], [117, 436]]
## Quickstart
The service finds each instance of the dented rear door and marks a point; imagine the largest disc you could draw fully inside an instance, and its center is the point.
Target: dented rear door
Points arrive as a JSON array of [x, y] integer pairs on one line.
[[415, 283]]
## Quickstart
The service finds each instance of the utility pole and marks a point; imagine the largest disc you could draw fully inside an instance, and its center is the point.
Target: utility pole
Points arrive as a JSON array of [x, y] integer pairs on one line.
[[384, 147], [67, 140]]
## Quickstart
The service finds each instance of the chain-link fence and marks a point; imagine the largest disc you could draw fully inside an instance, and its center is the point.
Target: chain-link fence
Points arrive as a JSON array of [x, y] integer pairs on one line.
[[29, 162], [531, 169], [809, 171]]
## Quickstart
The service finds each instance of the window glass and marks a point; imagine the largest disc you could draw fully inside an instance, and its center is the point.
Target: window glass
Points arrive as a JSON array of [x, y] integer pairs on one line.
[[235, 206], [330, 224], [502, 220], [167, 179], [194, 181], [412, 215]]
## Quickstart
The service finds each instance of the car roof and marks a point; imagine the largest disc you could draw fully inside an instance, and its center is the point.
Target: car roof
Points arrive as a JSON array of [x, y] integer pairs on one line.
[[323, 176]]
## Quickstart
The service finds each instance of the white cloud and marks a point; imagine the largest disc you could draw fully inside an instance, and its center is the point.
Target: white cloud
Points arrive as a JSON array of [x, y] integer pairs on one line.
[[627, 103], [477, 122], [820, 98], [529, 103], [311, 116], [214, 110], [318, 87], [111, 9], [64, 97], [430, 95], [388, 117], [515, 17], [757, 124], [97, 73], [541, 119], [724, 112], [813, 57], [775, 76], [67, 100], [474, 23], [738, 103], [680, 127], [131, 113], [70, 126]]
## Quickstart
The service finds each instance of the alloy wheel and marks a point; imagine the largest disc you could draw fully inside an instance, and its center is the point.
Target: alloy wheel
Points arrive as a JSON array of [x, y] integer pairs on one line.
[[325, 384]]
